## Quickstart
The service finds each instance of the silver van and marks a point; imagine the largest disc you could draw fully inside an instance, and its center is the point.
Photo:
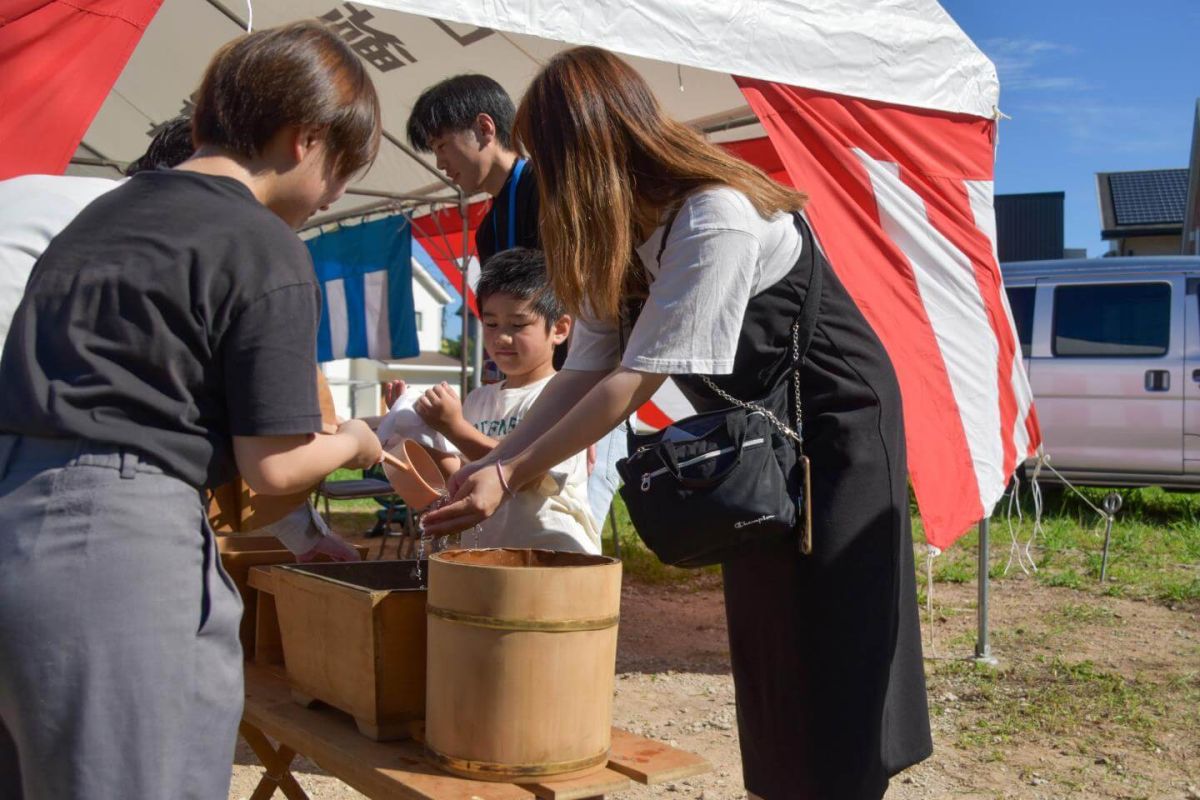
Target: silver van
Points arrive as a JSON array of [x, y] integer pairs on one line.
[[1112, 349]]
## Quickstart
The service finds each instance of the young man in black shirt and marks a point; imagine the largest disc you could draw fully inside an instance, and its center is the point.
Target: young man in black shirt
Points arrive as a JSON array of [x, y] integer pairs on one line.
[[466, 122]]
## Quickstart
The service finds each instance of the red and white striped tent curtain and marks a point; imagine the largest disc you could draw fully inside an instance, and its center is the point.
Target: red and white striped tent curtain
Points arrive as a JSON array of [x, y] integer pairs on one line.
[[883, 111]]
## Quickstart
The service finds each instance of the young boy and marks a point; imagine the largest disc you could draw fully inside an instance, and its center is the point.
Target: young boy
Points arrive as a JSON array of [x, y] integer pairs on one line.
[[522, 323]]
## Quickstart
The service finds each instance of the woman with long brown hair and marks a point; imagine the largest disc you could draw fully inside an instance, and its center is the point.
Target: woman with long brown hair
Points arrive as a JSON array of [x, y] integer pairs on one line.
[[825, 647]]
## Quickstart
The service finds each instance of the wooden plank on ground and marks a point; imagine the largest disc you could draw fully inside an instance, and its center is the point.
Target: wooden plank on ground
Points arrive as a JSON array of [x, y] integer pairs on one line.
[[648, 761], [603, 782], [380, 770]]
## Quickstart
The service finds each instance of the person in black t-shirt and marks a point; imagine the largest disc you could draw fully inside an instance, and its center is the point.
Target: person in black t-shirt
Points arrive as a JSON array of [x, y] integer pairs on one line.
[[166, 340], [466, 122]]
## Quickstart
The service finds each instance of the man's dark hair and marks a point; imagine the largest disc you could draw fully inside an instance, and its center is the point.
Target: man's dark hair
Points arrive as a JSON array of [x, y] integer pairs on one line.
[[520, 272], [297, 74], [170, 147], [453, 105]]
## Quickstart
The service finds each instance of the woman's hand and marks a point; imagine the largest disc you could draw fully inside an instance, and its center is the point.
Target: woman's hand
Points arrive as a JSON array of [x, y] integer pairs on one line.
[[369, 451], [475, 497], [456, 481]]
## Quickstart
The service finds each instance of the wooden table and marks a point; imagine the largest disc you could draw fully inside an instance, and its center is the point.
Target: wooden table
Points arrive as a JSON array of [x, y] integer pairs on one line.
[[387, 770]]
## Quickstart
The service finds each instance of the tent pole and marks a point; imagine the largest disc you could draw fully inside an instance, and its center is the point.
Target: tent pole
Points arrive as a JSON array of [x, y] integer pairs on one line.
[[983, 647], [465, 342], [417, 158]]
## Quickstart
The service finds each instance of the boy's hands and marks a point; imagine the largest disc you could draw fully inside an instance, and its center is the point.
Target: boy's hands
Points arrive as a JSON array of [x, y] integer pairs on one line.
[[370, 451], [440, 408], [392, 391]]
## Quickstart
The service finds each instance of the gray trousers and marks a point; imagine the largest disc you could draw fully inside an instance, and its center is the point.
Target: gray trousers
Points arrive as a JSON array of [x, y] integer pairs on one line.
[[120, 666]]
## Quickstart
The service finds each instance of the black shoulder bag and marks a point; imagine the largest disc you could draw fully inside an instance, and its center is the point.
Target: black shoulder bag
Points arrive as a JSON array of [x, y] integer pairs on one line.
[[712, 486]]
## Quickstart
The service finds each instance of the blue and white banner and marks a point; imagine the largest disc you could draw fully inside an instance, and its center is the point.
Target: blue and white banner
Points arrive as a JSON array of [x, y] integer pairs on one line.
[[365, 272]]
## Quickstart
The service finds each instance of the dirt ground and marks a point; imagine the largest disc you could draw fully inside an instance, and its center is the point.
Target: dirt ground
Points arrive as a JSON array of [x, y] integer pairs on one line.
[[1094, 697]]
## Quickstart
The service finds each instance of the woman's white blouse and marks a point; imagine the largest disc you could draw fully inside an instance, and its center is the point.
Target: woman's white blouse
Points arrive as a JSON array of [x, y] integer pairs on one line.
[[719, 254]]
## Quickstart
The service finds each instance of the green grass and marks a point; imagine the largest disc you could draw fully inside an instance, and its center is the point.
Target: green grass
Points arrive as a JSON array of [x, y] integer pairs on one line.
[[350, 506], [1154, 553], [1056, 697], [639, 563]]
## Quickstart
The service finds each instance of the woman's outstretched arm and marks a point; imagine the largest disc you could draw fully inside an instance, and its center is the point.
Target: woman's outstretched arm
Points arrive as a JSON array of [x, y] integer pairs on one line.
[[558, 426], [564, 391]]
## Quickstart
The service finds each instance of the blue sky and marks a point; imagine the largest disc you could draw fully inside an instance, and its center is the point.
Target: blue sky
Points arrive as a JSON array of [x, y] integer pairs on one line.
[[1091, 86]]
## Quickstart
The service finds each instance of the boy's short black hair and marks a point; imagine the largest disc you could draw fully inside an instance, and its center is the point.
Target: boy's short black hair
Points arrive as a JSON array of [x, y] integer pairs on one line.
[[453, 104], [520, 272], [171, 146]]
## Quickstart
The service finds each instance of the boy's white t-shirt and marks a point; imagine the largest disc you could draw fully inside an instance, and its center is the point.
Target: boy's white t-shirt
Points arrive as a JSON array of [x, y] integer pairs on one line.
[[553, 515]]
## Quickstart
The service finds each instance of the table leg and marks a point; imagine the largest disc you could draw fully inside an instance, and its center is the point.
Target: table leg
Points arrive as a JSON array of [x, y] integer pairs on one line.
[[277, 765], [268, 645]]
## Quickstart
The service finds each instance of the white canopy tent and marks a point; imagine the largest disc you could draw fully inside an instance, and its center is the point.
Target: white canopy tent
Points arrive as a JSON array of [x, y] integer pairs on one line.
[[906, 52], [897, 151]]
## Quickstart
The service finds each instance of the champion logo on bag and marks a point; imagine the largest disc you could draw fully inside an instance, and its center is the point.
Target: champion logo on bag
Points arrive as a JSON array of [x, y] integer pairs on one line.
[[746, 523]]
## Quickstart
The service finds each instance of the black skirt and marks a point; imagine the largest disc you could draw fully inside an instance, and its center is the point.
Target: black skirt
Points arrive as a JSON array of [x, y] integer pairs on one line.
[[826, 648]]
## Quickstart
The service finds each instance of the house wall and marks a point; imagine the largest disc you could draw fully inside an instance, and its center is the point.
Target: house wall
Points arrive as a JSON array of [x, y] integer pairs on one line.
[[355, 383], [1147, 246], [418, 380], [429, 319]]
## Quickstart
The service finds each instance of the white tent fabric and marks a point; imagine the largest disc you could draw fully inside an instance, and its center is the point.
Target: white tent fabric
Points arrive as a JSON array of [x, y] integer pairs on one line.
[[895, 51]]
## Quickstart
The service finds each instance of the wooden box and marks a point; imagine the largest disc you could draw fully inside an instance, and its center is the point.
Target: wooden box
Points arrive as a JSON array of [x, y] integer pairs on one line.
[[240, 552], [354, 637]]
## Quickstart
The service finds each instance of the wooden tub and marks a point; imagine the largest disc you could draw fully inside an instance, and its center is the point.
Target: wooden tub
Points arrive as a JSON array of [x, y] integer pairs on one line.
[[522, 655]]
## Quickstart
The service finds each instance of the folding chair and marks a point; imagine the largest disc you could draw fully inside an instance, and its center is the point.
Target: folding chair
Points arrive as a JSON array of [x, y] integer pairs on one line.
[[365, 488]]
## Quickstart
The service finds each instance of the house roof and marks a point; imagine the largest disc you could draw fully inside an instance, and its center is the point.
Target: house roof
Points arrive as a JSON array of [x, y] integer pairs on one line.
[[1142, 203]]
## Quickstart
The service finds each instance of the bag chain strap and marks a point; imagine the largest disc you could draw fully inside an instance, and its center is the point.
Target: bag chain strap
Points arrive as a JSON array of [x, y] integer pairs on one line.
[[795, 434]]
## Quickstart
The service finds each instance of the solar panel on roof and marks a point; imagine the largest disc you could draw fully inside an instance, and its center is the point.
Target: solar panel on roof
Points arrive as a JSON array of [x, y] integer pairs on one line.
[[1148, 198]]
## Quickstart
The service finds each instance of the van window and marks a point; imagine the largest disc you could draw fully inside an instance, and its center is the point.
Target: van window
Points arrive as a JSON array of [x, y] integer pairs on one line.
[[1115, 320], [1020, 301]]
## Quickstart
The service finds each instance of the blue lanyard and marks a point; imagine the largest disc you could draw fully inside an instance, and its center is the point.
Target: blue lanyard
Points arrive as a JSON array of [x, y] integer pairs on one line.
[[518, 168]]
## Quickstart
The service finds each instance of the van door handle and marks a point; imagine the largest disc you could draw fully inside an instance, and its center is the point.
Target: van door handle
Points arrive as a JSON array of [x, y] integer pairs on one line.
[[1159, 380], [1196, 375]]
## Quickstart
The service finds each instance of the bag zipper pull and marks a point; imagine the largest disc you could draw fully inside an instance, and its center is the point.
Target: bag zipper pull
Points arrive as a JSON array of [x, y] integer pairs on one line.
[[645, 481]]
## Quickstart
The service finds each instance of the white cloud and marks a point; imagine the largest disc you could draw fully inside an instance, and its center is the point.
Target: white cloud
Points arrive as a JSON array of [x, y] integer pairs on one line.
[[1092, 126], [1021, 64]]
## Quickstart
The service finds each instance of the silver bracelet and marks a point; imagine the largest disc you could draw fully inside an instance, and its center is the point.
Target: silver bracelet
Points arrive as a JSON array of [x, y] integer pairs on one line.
[[504, 483]]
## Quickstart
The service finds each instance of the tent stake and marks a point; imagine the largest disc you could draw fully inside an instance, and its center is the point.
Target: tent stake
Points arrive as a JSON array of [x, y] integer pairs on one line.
[[983, 648]]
